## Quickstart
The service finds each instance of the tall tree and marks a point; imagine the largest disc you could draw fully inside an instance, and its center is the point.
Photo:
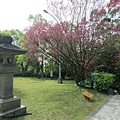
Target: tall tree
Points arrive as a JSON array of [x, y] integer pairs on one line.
[[75, 42], [34, 55]]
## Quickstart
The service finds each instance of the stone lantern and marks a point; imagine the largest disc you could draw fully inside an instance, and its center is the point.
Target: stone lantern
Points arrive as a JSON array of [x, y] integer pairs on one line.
[[9, 104]]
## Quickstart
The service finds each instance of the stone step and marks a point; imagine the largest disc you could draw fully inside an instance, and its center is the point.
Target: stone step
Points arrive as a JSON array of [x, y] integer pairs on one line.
[[9, 104], [14, 113]]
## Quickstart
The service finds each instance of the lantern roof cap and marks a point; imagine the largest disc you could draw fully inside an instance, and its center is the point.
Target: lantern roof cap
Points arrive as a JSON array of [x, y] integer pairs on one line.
[[6, 46]]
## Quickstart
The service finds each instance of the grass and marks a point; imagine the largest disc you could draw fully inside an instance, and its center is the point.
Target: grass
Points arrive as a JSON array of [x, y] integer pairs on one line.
[[48, 100]]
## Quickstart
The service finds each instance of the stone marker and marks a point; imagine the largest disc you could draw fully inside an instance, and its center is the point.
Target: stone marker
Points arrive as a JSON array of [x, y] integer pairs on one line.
[[9, 104]]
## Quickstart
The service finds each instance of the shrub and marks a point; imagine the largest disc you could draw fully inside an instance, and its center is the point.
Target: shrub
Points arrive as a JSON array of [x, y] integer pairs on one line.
[[28, 73], [103, 81]]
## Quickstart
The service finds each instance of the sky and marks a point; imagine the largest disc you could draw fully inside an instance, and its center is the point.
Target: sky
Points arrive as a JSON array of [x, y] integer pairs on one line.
[[14, 13]]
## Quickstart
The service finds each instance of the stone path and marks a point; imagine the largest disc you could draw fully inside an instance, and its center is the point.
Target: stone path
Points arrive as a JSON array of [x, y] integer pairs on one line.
[[109, 110]]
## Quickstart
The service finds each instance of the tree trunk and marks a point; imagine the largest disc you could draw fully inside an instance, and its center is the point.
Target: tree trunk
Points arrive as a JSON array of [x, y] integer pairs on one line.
[[79, 76]]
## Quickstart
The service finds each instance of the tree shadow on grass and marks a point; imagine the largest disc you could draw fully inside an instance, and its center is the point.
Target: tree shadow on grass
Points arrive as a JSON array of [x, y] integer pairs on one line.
[[19, 117], [13, 118]]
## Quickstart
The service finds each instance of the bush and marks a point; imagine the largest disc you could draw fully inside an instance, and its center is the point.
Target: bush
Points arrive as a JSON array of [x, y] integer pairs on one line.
[[28, 73], [89, 81], [103, 81]]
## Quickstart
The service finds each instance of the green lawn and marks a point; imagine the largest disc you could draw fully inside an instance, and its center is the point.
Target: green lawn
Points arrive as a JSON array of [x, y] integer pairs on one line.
[[48, 100]]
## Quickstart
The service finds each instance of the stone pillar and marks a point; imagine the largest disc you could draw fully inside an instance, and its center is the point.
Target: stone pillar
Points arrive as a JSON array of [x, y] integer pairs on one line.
[[6, 86]]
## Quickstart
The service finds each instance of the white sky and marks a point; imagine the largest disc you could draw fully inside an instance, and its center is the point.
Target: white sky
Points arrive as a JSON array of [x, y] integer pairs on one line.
[[14, 13]]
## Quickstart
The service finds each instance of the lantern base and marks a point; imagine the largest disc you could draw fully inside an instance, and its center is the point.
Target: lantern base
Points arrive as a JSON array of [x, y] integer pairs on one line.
[[11, 108]]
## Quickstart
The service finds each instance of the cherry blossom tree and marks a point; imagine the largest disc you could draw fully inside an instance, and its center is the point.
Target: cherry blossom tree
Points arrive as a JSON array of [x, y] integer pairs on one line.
[[75, 40], [109, 27]]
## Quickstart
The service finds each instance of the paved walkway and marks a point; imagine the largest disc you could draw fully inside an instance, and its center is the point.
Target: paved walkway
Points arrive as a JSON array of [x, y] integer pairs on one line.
[[109, 110]]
